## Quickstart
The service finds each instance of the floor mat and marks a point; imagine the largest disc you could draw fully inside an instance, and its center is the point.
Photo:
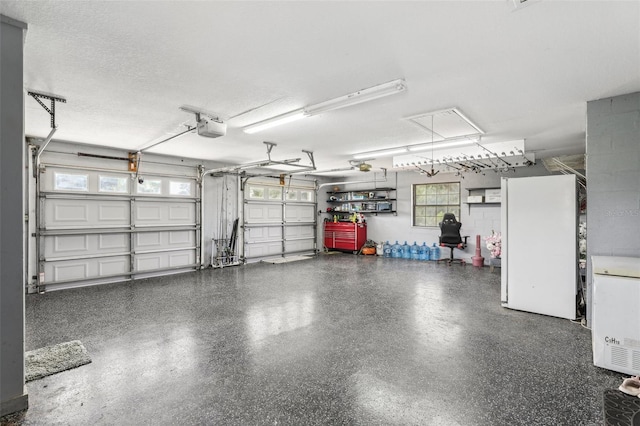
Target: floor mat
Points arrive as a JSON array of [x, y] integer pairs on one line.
[[621, 409], [53, 359]]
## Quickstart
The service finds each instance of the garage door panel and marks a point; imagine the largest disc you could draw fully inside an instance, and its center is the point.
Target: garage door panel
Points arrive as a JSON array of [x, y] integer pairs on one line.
[[299, 245], [56, 246], [95, 226], [171, 259], [300, 213], [158, 240], [263, 250], [115, 265], [113, 212], [81, 213], [263, 213], [108, 242], [181, 213], [275, 225], [164, 213], [184, 238], [300, 232], [84, 269], [265, 233]]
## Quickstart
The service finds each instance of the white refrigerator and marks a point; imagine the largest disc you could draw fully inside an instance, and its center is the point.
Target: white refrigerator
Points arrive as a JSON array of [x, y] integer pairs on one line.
[[539, 245]]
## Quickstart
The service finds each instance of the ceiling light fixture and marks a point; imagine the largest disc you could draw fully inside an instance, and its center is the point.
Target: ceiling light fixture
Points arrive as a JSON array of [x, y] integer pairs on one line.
[[416, 148], [442, 145], [275, 121], [380, 153], [364, 95]]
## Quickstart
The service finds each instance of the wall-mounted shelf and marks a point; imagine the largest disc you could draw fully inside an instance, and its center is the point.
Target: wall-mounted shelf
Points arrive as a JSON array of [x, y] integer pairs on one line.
[[367, 201], [491, 193]]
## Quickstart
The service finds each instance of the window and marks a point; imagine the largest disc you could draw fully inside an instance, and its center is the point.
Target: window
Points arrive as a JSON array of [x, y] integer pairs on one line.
[[256, 192], [180, 188], [432, 200], [275, 194], [292, 195], [150, 187], [66, 182], [306, 195], [113, 184]]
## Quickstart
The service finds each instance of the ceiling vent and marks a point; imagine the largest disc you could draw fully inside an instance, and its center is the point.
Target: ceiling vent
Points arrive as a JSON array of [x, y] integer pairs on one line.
[[446, 124]]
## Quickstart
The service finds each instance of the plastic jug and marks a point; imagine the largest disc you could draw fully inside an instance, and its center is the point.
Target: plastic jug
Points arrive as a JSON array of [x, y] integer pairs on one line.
[[386, 249], [423, 252], [415, 251], [396, 250], [434, 252], [406, 251]]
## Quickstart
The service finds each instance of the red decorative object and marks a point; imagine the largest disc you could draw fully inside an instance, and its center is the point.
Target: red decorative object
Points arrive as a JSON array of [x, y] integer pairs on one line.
[[478, 260]]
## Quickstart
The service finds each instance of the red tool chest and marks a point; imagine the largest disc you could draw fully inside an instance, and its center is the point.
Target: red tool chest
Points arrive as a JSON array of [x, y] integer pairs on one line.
[[345, 235]]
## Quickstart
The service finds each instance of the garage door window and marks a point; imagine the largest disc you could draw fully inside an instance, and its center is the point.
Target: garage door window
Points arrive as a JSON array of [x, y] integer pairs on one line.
[[180, 188], [150, 187], [67, 182], [255, 192], [275, 194], [113, 184], [292, 195]]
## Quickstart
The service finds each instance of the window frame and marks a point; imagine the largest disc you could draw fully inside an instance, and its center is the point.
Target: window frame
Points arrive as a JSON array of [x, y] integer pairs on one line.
[[447, 207]]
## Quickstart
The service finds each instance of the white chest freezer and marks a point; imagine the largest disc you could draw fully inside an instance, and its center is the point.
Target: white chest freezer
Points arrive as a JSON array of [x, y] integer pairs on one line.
[[615, 328]]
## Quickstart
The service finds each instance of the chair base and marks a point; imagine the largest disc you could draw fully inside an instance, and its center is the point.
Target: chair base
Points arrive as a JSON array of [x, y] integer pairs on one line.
[[450, 259]]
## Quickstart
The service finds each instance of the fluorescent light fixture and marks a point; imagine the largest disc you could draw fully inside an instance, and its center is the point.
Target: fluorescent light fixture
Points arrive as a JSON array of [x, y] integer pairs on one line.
[[275, 121], [416, 148], [441, 145], [364, 95], [381, 153]]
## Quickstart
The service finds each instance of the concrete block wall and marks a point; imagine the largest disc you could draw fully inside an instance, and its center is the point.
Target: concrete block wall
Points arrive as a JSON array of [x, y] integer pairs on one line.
[[613, 180]]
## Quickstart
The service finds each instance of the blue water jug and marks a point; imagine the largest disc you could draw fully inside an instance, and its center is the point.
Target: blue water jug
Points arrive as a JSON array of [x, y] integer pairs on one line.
[[396, 250], [434, 252], [415, 251], [423, 252], [406, 251], [386, 249]]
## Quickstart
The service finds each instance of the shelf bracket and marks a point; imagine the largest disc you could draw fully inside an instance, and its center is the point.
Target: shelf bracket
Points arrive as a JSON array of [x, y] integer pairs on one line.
[[51, 110]]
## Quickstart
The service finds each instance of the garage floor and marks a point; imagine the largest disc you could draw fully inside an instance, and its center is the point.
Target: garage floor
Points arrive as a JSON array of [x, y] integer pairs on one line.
[[337, 339]]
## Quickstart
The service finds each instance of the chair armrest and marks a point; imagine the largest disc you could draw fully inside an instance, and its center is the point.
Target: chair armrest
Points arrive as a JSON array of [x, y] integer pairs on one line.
[[465, 239]]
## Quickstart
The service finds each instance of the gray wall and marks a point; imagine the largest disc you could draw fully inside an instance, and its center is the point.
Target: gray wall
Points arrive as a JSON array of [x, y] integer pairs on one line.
[[613, 180], [13, 395]]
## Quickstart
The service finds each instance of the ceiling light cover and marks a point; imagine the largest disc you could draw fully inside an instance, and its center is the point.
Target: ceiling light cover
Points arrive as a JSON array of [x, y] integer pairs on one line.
[[364, 95], [442, 145], [275, 121], [380, 153]]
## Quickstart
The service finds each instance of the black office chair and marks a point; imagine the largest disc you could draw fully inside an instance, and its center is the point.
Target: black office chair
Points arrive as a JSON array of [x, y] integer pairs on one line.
[[450, 237]]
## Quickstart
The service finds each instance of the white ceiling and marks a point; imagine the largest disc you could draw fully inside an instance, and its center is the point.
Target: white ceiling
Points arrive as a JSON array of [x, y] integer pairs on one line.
[[125, 68]]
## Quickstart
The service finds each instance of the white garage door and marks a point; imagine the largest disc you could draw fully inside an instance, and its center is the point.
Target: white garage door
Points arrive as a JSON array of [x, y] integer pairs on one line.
[[278, 220], [97, 227]]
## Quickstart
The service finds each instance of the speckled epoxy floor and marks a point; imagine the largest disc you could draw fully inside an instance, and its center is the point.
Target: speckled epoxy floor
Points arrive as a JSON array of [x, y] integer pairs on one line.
[[340, 339]]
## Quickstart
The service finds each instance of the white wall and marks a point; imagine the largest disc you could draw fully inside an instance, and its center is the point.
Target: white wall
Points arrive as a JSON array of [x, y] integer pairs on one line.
[[475, 219]]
